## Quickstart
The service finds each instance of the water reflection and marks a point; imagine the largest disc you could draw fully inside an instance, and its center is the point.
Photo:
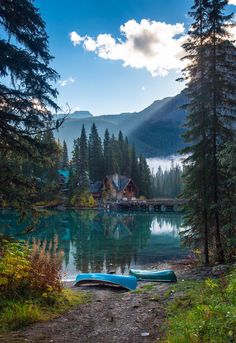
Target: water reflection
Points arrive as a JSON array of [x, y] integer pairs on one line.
[[104, 241]]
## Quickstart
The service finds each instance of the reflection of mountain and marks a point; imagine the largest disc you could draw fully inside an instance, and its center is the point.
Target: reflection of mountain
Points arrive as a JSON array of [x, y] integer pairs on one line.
[[105, 241], [156, 130]]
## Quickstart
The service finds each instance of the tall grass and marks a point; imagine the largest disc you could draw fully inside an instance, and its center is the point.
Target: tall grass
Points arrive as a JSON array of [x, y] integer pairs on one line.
[[46, 266]]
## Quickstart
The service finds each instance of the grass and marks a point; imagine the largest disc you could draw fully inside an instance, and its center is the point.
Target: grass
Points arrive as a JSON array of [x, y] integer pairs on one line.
[[144, 289], [202, 311], [16, 314]]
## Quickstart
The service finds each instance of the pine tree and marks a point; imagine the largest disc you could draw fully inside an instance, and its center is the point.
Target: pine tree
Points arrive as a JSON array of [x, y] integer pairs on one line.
[[126, 158], [107, 149], [115, 157], [65, 158], [222, 104], [74, 167], [144, 178], [83, 162], [228, 164], [134, 166], [96, 161], [211, 91], [27, 98]]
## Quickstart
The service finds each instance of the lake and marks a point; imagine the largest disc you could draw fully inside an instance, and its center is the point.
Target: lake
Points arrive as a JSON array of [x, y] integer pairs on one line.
[[94, 241]]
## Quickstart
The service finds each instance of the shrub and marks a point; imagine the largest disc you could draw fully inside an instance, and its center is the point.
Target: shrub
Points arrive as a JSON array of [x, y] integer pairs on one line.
[[46, 267], [30, 285], [29, 271], [14, 268], [84, 199]]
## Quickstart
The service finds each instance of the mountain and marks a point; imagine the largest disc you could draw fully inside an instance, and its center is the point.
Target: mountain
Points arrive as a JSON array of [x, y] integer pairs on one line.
[[76, 115], [155, 131]]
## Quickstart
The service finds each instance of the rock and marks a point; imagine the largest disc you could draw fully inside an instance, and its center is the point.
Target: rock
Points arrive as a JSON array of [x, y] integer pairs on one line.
[[221, 269]]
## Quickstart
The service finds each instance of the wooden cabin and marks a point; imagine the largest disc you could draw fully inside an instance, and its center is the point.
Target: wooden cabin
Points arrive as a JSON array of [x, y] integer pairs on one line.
[[119, 187], [114, 187]]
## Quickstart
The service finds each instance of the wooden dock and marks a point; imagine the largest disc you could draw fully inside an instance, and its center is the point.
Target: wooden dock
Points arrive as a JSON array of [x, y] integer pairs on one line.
[[151, 205]]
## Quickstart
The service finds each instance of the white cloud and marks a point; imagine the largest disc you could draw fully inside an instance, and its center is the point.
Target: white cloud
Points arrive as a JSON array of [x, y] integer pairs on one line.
[[155, 46], [65, 82], [232, 2], [76, 38]]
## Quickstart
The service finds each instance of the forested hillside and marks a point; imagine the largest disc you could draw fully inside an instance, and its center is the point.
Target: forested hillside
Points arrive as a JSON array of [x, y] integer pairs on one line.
[[155, 131]]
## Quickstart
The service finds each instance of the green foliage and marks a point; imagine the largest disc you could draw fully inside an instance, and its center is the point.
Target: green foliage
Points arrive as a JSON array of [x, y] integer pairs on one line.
[[14, 268], [65, 158], [84, 199], [26, 100], [204, 311], [211, 84], [95, 155], [29, 271]]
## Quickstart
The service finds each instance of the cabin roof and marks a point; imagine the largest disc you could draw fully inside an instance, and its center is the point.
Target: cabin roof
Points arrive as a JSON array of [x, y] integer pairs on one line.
[[123, 181], [64, 173], [96, 187]]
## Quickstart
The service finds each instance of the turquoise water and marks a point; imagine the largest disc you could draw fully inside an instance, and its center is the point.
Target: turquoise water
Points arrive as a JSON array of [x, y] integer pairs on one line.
[[104, 241]]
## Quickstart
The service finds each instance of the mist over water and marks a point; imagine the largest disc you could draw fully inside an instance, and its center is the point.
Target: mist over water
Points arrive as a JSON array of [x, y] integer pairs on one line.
[[163, 162]]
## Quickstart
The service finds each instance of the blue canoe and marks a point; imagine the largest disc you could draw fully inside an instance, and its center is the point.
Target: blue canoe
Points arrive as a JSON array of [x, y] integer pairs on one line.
[[127, 282], [150, 275]]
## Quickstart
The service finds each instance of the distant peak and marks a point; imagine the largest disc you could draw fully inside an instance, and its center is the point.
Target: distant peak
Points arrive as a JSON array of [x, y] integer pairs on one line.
[[80, 114]]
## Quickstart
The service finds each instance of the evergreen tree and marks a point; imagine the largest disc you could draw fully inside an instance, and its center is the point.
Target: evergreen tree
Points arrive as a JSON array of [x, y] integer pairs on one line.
[[107, 149], [96, 161], [222, 104], [134, 166], [83, 162], [167, 184], [211, 80], [115, 157], [126, 158], [120, 153], [228, 164], [65, 158], [144, 182], [74, 167], [27, 97]]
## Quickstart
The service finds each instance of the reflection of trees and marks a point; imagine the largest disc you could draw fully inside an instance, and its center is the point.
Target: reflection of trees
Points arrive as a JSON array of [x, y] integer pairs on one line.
[[102, 241], [110, 241], [174, 220]]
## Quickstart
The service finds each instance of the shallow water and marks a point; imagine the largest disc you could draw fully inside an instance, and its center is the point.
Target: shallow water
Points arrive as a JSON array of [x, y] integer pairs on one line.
[[95, 241]]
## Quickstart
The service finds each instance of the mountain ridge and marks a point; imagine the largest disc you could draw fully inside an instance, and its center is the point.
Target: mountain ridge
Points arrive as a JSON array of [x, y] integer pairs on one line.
[[156, 130]]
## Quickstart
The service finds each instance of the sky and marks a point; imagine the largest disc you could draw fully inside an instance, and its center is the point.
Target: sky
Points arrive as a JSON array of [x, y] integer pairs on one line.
[[116, 56]]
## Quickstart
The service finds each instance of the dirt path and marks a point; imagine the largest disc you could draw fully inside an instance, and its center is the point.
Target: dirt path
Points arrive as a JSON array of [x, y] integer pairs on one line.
[[111, 316]]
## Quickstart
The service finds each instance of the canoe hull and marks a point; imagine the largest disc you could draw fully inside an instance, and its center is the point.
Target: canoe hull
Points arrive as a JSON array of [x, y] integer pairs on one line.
[[127, 282], [158, 276]]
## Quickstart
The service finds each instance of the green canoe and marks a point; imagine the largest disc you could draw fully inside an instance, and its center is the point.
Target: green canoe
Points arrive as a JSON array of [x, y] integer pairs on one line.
[[149, 275]]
